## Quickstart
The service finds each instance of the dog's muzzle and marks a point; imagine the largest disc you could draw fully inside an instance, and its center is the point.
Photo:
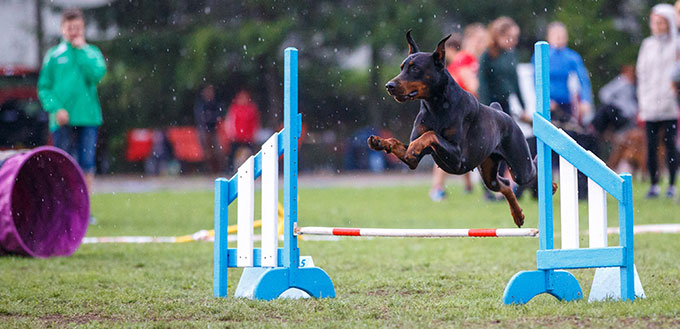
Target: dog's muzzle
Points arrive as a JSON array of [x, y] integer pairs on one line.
[[393, 90], [391, 87]]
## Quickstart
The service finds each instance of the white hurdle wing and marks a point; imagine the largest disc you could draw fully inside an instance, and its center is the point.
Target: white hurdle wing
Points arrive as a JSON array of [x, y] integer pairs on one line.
[[270, 201], [246, 213], [569, 204], [597, 215]]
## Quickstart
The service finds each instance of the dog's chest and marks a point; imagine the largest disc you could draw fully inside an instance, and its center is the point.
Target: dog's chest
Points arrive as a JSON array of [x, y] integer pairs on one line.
[[443, 125]]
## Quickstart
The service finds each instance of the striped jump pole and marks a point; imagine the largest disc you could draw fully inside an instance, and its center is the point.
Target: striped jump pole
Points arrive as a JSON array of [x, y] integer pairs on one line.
[[418, 233]]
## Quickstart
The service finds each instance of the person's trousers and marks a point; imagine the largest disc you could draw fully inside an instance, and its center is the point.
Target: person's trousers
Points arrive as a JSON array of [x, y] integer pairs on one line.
[[670, 135], [80, 142]]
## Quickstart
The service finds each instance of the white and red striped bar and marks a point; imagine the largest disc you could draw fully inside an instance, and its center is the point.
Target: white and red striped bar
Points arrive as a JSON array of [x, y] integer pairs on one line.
[[418, 233]]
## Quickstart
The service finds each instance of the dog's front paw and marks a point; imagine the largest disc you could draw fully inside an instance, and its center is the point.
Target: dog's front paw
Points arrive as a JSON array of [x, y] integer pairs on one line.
[[376, 143]]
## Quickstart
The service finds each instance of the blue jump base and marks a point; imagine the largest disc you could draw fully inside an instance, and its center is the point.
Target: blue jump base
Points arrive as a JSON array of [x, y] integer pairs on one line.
[[525, 285]]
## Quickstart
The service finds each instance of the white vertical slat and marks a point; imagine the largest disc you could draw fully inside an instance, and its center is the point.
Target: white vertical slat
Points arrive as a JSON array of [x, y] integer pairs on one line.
[[270, 201], [246, 213], [569, 204], [597, 215]]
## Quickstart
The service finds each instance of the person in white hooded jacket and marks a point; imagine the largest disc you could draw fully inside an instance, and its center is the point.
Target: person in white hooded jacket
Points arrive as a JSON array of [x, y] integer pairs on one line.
[[656, 97]]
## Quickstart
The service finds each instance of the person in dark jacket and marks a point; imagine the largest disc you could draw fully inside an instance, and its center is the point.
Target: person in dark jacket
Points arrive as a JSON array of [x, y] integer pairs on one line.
[[498, 81], [498, 65], [207, 113]]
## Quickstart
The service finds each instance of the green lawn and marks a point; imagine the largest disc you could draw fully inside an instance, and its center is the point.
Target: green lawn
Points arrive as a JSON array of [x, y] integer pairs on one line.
[[379, 282]]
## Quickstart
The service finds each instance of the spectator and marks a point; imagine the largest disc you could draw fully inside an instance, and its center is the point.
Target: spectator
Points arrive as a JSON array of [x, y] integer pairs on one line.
[[67, 88], [498, 81], [570, 107], [676, 6], [658, 104], [564, 63], [498, 65], [242, 124], [207, 111], [437, 193], [619, 102], [463, 66], [453, 48]]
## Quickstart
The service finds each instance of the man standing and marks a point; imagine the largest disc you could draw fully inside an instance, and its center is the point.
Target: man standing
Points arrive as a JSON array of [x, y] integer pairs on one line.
[[67, 89], [207, 112], [565, 62], [569, 110]]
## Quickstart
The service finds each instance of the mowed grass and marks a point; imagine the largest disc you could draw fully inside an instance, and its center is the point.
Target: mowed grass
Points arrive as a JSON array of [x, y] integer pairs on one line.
[[380, 282]]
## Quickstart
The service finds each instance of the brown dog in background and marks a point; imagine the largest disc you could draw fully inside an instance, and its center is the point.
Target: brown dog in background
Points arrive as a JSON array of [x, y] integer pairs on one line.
[[630, 147]]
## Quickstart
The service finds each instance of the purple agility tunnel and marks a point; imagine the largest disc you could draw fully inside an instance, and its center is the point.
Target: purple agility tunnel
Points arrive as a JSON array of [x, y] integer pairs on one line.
[[44, 203]]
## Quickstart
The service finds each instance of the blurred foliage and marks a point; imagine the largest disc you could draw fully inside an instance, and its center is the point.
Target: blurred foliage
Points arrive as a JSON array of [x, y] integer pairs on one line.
[[593, 34], [165, 50]]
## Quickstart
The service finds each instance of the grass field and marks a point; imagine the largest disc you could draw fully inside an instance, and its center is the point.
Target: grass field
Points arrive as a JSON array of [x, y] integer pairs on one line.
[[379, 282]]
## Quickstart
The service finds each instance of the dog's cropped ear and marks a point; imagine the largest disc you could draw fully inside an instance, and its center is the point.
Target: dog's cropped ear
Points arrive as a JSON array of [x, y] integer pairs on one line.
[[439, 54], [412, 47]]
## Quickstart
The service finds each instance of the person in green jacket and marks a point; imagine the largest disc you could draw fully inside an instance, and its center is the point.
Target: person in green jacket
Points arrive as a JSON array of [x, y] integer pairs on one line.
[[67, 89]]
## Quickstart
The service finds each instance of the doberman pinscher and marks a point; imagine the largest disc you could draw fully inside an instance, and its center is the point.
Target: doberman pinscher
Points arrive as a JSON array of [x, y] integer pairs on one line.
[[458, 131]]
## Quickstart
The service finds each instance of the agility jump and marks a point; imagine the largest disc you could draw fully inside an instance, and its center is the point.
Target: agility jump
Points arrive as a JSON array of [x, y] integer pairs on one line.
[[269, 271]]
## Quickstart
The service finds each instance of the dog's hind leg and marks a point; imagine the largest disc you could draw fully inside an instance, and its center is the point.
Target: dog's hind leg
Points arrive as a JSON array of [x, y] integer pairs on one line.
[[489, 172], [523, 168], [532, 182], [515, 151]]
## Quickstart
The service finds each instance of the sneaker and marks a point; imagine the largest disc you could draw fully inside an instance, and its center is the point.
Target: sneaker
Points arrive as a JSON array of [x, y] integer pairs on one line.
[[491, 196], [653, 192], [670, 192], [437, 195]]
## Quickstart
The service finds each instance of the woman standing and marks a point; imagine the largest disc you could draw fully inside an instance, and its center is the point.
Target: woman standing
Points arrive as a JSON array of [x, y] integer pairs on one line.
[[656, 98], [498, 80], [498, 65]]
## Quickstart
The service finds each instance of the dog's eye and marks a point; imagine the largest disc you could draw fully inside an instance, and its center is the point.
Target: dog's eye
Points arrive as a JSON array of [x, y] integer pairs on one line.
[[414, 69]]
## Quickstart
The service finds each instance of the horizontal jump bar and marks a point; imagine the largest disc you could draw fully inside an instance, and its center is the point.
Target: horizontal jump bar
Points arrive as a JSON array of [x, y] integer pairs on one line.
[[421, 233], [257, 257], [580, 258]]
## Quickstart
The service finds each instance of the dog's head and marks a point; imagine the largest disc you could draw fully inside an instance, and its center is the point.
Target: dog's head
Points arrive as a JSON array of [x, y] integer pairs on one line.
[[420, 72]]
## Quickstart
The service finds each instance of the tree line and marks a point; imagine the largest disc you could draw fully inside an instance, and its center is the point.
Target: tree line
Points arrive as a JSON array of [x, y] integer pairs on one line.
[[165, 50]]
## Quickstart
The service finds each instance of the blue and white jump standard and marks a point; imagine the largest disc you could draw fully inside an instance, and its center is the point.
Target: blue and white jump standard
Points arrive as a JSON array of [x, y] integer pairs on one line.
[[268, 271], [618, 260]]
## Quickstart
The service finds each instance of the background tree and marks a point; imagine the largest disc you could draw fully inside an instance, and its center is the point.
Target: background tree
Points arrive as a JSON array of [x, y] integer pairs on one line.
[[165, 50]]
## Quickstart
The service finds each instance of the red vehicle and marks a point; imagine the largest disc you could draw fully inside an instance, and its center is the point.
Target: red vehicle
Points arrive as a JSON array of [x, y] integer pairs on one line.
[[23, 123]]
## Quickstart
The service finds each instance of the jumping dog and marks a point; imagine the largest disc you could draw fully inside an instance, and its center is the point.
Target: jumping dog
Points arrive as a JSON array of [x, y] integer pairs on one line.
[[458, 131]]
